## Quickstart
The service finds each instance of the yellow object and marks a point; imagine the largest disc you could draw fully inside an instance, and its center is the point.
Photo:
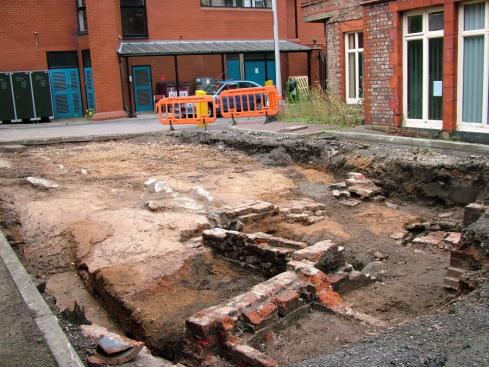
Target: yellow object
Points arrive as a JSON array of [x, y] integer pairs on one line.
[[269, 83], [202, 107]]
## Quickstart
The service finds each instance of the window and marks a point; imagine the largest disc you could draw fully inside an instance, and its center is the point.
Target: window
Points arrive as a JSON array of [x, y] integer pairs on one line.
[[247, 85], [354, 67], [87, 62], [134, 22], [62, 59], [423, 69], [81, 10], [473, 66], [237, 3]]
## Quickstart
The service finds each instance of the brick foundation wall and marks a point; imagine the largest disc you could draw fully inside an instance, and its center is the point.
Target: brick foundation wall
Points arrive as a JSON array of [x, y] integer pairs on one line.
[[378, 22]]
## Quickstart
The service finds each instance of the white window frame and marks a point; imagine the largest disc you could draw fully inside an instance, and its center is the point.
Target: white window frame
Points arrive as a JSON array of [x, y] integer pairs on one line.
[[81, 10], [425, 35], [357, 51], [473, 126]]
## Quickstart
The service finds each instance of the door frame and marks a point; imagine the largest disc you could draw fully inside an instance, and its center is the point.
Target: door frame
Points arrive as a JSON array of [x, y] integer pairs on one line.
[[134, 86], [424, 36], [93, 87]]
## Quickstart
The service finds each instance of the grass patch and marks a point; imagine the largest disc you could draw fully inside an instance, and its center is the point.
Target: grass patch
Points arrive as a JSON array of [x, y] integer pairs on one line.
[[321, 107]]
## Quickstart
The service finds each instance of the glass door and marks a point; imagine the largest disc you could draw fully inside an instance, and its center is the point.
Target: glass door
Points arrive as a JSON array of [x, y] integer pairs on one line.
[[423, 69]]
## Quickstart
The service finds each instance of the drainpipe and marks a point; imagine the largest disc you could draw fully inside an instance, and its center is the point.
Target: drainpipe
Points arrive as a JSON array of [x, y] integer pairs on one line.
[[278, 71], [131, 113]]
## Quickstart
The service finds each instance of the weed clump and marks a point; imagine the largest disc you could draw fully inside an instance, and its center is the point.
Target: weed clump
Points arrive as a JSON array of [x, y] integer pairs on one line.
[[321, 107]]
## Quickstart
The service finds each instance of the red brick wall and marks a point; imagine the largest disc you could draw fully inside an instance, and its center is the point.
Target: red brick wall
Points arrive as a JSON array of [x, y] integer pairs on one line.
[[189, 20], [344, 16], [104, 24], [383, 67], [55, 23], [379, 95]]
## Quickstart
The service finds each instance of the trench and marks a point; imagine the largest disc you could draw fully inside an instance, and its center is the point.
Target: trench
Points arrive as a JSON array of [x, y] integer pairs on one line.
[[80, 231]]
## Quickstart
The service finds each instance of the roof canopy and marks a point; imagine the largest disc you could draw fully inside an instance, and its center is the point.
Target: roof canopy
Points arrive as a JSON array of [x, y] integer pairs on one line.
[[165, 48]]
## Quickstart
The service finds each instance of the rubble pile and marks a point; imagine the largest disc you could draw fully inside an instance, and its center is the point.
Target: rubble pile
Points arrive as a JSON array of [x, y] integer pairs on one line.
[[247, 212], [356, 188], [442, 232], [304, 211]]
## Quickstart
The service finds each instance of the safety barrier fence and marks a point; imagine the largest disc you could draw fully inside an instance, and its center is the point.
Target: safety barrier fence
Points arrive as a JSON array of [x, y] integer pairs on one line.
[[204, 109]]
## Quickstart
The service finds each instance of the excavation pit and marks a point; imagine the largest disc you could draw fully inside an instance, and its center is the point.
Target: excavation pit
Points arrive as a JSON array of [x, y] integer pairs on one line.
[[121, 235]]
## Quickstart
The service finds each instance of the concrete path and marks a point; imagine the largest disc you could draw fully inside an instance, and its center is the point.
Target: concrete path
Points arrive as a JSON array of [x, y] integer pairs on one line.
[[31, 335], [358, 134], [78, 131], [21, 341]]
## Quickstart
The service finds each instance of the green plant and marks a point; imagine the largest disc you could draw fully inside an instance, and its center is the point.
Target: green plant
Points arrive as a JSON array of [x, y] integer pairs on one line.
[[89, 113], [322, 107]]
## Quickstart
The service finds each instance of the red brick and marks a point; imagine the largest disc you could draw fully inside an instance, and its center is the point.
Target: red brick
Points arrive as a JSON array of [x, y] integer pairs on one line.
[[246, 356], [329, 298], [287, 301], [260, 314]]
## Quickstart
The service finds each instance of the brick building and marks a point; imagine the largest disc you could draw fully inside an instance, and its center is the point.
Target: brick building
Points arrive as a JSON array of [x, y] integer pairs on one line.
[[413, 63], [113, 55]]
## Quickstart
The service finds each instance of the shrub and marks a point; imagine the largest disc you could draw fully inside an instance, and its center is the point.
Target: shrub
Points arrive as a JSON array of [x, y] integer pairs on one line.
[[322, 107]]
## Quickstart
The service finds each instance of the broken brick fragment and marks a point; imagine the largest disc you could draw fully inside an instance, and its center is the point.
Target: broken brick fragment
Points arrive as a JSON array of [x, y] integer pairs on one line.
[[245, 356], [287, 301], [202, 325], [227, 324], [260, 314], [330, 298]]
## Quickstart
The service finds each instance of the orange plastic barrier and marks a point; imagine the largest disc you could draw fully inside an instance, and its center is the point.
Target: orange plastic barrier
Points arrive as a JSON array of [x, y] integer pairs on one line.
[[249, 102], [186, 110]]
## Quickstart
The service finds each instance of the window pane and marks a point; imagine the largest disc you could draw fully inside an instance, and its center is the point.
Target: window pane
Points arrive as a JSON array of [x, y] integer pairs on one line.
[[81, 21], [352, 83], [132, 2], [351, 41], [360, 74], [435, 100], [473, 75], [415, 24], [474, 16], [86, 58], [62, 60], [415, 79], [435, 21], [134, 22], [360, 40]]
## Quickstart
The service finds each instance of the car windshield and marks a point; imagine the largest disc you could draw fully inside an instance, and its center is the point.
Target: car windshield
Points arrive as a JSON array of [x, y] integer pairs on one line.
[[213, 88]]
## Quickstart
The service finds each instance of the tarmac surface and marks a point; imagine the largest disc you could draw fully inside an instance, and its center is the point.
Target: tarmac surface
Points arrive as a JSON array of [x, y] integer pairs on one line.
[[21, 342]]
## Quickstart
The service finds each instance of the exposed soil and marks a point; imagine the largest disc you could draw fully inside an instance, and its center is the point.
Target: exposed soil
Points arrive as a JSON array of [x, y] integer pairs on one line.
[[93, 236], [434, 176], [314, 334]]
